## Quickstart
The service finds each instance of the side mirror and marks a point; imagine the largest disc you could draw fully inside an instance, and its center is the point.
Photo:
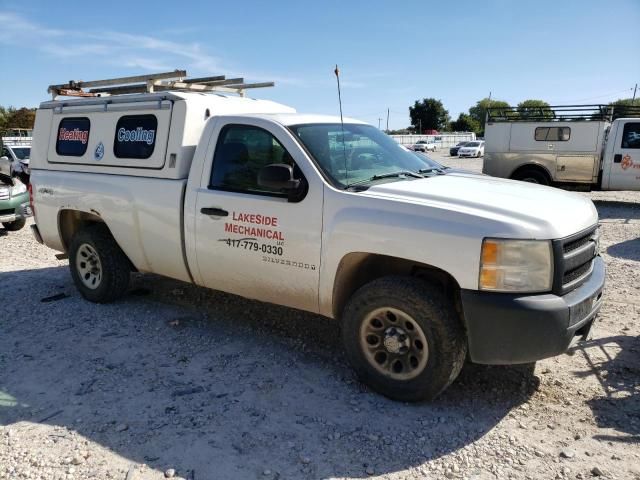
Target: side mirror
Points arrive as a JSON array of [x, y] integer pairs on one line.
[[277, 176], [4, 158]]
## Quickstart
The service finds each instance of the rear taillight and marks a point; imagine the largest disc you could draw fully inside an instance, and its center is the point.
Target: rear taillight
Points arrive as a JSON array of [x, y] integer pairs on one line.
[[30, 187]]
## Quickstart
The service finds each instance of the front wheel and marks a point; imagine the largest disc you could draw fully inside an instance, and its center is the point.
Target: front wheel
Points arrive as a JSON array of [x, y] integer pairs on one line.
[[403, 338], [99, 268], [15, 225]]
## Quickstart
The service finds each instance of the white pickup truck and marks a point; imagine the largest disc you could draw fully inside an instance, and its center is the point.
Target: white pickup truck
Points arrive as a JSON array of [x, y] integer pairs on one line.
[[579, 147], [421, 267]]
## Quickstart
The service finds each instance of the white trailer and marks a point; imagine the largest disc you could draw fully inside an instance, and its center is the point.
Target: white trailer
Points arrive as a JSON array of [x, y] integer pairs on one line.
[[585, 147]]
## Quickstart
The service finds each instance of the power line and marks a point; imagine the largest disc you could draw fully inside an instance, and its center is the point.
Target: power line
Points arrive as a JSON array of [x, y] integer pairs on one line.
[[595, 97]]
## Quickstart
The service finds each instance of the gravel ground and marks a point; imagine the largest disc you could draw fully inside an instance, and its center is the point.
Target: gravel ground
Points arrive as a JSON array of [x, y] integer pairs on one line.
[[179, 380]]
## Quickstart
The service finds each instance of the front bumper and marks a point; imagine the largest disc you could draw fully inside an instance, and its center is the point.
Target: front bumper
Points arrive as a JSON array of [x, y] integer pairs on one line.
[[507, 328], [15, 208]]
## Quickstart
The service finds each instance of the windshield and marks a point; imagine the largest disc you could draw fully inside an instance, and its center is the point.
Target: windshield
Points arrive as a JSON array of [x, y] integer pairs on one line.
[[22, 153], [365, 153], [431, 163], [473, 144], [462, 144]]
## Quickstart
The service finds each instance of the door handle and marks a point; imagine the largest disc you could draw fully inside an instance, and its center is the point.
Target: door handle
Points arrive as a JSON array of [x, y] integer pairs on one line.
[[216, 212], [617, 158]]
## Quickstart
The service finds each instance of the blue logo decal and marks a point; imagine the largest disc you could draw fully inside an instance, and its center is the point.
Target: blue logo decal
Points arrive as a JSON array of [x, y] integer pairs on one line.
[[99, 153]]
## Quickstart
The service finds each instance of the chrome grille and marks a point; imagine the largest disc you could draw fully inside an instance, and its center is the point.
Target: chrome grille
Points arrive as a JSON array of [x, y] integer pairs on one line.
[[574, 257]]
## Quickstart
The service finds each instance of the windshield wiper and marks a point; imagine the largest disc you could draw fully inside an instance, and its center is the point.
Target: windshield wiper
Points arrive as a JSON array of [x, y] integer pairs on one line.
[[438, 170], [398, 174]]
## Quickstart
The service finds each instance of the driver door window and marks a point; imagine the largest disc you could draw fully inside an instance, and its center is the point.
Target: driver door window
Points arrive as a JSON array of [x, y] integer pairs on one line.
[[631, 136], [241, 152]]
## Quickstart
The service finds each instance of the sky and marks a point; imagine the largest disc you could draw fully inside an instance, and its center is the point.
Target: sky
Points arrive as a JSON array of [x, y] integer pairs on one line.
[[390, 54]]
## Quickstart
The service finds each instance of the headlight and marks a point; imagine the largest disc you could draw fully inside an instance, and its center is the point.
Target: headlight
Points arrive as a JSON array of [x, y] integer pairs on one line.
[[516, 265], [18, 188]]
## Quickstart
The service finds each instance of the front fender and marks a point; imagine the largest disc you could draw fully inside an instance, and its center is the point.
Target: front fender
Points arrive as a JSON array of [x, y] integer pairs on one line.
[[447, 242]]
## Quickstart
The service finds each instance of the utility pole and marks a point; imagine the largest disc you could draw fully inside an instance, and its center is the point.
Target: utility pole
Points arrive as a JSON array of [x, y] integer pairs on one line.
[[633, 102], [379, 120], [420, 131], [387, 120]]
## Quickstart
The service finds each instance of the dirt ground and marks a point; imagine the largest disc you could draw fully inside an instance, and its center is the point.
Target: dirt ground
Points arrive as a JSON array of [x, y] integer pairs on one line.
[[179, 380]]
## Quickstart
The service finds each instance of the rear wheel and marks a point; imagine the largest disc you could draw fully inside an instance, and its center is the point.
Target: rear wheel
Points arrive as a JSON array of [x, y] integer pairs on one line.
[[532, 175], [15, 225], [403, 338], [99, 268]]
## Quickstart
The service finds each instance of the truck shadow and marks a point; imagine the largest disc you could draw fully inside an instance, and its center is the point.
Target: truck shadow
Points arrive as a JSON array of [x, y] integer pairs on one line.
[[615, 362], [617, 209], [629, 249], [183, 377]]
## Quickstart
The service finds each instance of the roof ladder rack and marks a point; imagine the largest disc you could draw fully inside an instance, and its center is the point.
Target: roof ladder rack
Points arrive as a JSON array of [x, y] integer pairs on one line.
[[561, 113], [156, 82]]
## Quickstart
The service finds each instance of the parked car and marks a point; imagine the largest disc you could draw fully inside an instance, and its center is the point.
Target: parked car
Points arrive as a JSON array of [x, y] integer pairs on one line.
[[453, 151], [17, 158], [472, 149], [425, 146], [14, 203]]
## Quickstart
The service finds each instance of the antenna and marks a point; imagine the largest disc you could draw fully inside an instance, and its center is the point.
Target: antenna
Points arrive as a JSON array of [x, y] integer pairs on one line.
[[344, 148]]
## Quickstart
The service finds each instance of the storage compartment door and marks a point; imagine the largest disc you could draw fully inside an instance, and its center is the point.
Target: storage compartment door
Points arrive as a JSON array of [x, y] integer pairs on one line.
[[575, 167]]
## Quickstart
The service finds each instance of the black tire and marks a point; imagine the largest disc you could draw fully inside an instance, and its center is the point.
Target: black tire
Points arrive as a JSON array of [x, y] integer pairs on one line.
[[434, 314], [15, 225], [532, 175], [115, 270]]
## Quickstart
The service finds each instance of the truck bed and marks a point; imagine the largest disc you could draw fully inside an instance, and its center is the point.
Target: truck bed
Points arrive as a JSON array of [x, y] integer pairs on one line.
[[144, 214]]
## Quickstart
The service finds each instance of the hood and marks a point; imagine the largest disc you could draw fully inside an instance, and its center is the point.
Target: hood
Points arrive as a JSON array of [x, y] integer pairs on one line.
[[462, 171], [534, 211]]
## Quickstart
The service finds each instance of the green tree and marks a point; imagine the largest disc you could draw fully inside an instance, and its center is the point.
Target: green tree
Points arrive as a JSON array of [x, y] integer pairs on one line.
[[4, 118], [465, 123], [21, 118], [626, 102], [538, 109], [479, 111], [626, 107], [401, 131], [429, 114]]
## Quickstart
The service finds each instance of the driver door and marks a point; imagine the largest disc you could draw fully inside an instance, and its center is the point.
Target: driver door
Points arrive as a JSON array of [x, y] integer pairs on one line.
[[624, 172], [250, 240]]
